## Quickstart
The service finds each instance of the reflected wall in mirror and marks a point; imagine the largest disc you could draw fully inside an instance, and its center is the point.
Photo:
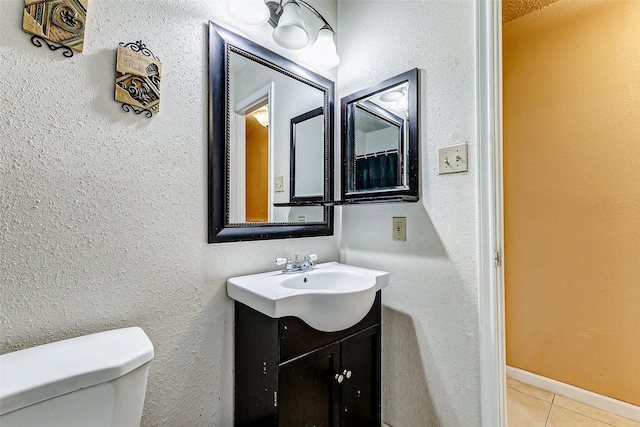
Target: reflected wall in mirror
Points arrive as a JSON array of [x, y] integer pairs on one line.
[[254, 95], [306, 150], [380, 141]]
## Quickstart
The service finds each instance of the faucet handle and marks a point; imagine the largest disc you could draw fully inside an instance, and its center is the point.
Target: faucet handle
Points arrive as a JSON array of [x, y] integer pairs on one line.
[[309, 259], [280, 261]]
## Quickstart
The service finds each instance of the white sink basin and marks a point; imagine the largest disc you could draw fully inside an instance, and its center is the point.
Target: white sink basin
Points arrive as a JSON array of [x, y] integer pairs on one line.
[[331, 297]]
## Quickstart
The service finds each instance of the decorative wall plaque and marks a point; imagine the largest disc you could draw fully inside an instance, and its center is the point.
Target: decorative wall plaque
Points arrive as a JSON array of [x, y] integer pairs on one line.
[[138, 79], [57, 23]]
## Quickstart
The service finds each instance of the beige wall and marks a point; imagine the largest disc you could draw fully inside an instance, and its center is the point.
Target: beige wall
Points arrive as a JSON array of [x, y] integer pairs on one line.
[[572, 192]]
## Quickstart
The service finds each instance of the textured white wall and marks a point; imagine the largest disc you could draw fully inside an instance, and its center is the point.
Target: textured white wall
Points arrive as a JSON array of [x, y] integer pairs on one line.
[[103, 213], [430, 325]]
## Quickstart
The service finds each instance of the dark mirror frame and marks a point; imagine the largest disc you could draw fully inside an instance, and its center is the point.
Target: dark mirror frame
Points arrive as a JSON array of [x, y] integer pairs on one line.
[[411, 144], [292, 164], [221, 43]]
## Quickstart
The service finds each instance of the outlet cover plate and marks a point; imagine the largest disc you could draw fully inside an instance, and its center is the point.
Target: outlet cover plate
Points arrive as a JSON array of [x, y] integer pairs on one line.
[[452, 159], [279, 184], [400, 228]]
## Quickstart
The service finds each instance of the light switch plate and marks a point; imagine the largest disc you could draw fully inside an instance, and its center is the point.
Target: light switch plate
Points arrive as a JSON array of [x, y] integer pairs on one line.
[[452, 159], [279, 184], [400, 228]]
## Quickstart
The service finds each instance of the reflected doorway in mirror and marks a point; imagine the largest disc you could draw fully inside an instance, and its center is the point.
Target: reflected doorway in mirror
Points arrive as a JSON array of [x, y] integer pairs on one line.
[[257, 165], [251, 158]]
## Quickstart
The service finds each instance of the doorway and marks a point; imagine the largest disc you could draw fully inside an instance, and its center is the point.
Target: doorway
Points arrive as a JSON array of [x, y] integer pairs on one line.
[[257, 165], [490, 176], [570, 104], [251, 158]]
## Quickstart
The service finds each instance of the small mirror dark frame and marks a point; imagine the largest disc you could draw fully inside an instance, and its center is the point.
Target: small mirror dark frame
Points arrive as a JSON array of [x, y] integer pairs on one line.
[[292, 179], [222, 42], [408, 145]]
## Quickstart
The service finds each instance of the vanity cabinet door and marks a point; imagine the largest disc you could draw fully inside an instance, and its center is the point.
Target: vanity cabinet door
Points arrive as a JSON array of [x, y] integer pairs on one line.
[[335, 386], [360, 391], [308, 392], [285, 372]]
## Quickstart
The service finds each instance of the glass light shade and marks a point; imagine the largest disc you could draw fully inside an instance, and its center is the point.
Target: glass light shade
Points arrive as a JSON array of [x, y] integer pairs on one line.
[[262, 116], [323, 52], [250, 12], [392, 96], [290, 32]]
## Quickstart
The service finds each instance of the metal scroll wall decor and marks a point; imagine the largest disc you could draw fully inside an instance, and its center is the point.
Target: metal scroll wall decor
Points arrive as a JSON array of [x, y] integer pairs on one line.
[[59, 24], [138, 73]]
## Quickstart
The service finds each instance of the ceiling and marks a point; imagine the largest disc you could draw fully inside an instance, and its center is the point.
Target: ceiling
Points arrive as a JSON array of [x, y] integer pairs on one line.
[[513, 9]]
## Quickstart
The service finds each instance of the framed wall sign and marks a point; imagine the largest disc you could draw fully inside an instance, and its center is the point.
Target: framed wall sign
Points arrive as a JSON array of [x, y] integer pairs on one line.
[[60, 24], [137, 83]]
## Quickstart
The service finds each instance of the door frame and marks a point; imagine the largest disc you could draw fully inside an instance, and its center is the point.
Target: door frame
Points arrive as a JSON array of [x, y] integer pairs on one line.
[[490, 213], [237, 152]]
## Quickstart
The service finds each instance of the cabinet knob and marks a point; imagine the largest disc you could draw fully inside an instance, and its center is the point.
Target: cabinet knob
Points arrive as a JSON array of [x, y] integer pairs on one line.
[[347, 374], [339, 378]]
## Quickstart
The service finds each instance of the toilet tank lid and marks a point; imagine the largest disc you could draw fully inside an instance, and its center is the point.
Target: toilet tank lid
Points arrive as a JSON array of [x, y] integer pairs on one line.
[[39, 373]]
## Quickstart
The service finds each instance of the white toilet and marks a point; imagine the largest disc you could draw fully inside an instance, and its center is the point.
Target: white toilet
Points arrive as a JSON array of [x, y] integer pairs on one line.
[[96, 380]]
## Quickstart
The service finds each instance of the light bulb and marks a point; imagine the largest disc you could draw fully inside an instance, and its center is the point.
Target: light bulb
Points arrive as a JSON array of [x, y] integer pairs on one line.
[[323, 52], [250, 12]]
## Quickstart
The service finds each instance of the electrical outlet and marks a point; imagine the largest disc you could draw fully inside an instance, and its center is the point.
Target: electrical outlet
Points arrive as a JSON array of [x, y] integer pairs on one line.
[[452, 159], [400, 228], [279, 184]]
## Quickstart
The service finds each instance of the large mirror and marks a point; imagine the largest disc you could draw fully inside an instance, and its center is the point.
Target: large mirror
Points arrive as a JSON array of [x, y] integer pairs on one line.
[[380, 142], [270, 144]]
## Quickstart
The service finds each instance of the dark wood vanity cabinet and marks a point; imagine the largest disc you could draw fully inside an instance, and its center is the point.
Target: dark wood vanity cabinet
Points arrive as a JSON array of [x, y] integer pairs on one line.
[[288, 374]]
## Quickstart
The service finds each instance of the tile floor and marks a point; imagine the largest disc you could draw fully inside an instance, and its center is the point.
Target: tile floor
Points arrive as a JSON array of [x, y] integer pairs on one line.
[[529, 406]]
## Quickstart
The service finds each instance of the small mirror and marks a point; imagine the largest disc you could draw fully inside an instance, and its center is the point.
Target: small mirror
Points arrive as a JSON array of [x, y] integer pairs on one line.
[[270, 144], [380, 142]]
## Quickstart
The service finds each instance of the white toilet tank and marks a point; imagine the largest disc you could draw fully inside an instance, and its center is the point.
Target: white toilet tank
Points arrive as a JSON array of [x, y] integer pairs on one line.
[[96, 380]]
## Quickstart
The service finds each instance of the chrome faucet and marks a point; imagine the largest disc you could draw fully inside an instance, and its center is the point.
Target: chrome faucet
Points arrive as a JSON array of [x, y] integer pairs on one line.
[[296, 266]]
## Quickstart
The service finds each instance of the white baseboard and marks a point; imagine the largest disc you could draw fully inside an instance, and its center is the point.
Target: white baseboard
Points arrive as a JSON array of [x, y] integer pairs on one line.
[[587, 397]]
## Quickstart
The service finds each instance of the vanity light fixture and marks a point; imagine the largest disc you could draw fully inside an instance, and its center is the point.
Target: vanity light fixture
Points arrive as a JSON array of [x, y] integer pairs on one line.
[[395, 99], [289, 31], [392, 96], [323, 52], [262, 115], [289, 28]]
